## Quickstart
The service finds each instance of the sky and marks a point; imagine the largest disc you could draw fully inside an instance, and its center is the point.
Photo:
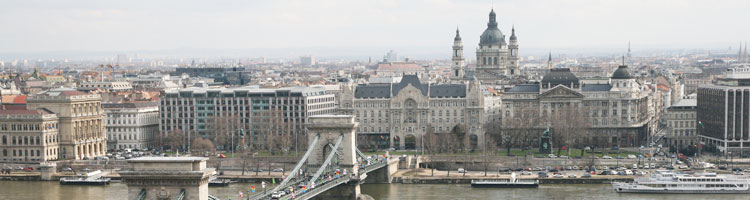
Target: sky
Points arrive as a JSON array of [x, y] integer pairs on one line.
[[139, 25]]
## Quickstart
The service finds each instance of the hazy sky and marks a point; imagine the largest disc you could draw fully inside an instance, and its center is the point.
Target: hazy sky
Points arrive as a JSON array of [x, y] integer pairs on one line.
[[62, 25]]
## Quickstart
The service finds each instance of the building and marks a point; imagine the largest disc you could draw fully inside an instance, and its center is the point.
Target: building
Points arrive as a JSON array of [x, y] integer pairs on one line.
[[399, 114], [615, 113], [28, 135], [722, 112], [107, 86], [196, 110], [681, 123], [81, 121], [496, 59], [131, 125], [393, 69], [307, 60]]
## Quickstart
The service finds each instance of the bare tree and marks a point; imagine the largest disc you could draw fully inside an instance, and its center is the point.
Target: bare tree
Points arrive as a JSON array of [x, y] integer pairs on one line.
[[569, 125], [203, 145], [520, 127]]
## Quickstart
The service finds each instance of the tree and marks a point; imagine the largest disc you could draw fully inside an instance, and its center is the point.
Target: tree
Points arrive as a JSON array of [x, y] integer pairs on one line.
[[175, 140], [522, 125], [570, 126], [202, 145]]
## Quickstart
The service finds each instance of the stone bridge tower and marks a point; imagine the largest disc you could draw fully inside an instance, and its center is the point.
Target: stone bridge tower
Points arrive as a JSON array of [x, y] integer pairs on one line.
[[330, 127]]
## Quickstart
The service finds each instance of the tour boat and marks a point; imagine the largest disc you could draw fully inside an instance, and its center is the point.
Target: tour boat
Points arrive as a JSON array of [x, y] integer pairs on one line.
[[664, 181], [512, 182]]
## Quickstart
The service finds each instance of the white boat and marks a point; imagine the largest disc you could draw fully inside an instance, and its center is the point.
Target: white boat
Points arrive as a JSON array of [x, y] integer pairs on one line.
[[512, 182], [664, 181]]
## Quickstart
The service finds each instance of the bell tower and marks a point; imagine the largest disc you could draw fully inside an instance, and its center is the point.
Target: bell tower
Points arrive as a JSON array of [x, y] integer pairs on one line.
[[513, 58], [457, 69]]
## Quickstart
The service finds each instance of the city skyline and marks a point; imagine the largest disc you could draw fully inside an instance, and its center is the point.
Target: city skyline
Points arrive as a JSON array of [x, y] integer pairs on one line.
[[309, 26]]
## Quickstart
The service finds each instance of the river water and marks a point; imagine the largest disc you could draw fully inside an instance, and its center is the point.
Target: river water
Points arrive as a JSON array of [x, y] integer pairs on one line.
[[54, 191]]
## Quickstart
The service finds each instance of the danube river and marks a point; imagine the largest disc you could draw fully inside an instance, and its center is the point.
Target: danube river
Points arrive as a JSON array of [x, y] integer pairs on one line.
[[53, 190]]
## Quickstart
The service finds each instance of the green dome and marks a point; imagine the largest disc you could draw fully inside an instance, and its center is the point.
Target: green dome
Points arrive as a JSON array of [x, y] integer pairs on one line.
[[622, 72], [492, 35]]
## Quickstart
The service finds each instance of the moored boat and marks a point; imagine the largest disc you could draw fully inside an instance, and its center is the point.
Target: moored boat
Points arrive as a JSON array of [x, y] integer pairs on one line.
[[664, 181]]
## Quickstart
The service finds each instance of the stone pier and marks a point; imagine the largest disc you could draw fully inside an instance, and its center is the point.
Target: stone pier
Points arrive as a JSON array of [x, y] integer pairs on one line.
[[329, 128], [167, 178]]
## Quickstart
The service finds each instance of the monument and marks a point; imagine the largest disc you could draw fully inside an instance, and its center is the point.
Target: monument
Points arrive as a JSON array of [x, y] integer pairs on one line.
[[545, 142], [167, 178]]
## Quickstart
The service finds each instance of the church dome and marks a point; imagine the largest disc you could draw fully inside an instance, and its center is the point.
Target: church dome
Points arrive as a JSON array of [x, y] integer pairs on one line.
[[622, 72], [560, 76], [492, 35]]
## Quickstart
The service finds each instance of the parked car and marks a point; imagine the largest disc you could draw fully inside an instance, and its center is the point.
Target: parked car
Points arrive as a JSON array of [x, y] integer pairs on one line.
[[620, 157], [67, 169], [568, 168], [525, 173], [628, 172], [28, 169], [606, 157], [564, 156], [586, 175], [572, 176], [631, 156], [551, 156], [278, 170], [461, 170], [275, 195], [575, 168], [542, 175], [557, 175]]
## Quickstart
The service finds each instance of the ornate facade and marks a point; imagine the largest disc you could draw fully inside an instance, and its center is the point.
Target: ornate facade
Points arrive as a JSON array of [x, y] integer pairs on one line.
[[81, 121], [616, 113], [399, 114]]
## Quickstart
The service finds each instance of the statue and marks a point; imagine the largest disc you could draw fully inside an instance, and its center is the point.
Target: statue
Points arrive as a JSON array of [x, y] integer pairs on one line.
[[545, 142]]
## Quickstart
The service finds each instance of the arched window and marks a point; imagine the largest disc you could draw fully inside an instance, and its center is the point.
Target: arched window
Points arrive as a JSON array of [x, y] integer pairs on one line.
[[495, 61], [5, 140], [484, 60], [37, 140]]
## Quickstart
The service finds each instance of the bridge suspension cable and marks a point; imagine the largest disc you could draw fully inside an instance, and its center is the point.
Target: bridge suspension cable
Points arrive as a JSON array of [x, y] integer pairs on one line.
[[328, 159], [295, 171]]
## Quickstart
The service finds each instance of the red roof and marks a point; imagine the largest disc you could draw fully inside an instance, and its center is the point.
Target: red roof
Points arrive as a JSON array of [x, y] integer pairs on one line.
[[4, 111], [20, 99]]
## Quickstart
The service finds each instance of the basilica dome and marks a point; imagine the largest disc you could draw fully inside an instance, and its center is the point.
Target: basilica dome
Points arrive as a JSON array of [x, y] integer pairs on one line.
[[492, 35]]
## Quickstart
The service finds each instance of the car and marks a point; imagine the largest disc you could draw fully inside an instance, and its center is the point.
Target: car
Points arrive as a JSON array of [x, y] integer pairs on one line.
[[628, 172], [575, 168], [461, 170], [635, 166], [620, 157], [564, 156], [586, 175], [67, 169], [554, 170], [572, 176], [18, 168], [86, 169], [669, 167], [538, 169], [282, 193], [621, 173], [736, 169], [542, 175], [557, 175], [278, 170], [28, 169], [551, 156], [631, 156], [275, 195], [646, 166], [568, 168], [606, 157], [578, 157], [653, 166], [739, 173], [525, 173], [615, 148]]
